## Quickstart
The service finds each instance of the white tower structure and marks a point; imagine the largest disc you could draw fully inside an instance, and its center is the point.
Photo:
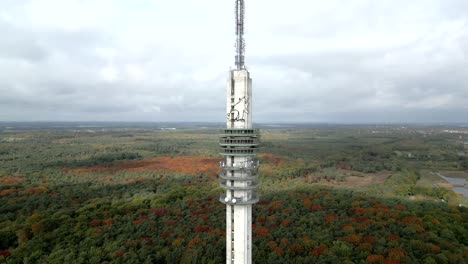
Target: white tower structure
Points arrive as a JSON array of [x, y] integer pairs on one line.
[[239, 143]]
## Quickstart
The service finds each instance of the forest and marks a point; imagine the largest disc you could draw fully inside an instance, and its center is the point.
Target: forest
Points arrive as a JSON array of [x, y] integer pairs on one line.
[[329, 194]]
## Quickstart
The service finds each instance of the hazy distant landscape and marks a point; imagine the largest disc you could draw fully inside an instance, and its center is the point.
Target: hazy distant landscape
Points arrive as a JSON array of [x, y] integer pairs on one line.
[[83, 192]]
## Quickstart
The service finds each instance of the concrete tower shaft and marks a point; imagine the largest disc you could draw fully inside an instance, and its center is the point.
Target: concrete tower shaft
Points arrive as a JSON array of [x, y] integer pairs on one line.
[[238, 95], [239, 177]]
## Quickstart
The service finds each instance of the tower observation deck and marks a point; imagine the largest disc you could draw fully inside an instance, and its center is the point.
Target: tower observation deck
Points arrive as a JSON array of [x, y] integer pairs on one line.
[[239, 144]]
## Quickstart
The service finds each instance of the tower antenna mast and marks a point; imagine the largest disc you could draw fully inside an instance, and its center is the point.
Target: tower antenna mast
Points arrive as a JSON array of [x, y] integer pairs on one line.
[[240, 42]]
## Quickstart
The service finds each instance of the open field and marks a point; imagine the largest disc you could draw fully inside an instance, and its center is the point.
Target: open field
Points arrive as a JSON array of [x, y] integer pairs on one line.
[[330, 194]]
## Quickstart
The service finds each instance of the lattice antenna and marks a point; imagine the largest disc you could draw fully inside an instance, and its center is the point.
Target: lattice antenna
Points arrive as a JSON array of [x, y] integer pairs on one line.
[[240, 43]]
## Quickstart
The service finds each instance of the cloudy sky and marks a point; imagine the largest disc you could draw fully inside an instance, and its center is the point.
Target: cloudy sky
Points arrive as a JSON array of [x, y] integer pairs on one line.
[[311, 61]]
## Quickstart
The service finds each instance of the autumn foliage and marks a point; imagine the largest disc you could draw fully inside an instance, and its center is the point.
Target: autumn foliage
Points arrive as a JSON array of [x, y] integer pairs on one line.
[[148, 196], [185, 165]]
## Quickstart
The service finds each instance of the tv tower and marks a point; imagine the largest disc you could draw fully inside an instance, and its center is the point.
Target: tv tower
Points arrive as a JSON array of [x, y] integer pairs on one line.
[[239, 143]]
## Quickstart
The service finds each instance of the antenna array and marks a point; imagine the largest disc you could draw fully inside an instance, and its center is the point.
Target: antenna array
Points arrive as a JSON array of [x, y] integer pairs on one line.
[[240, 42]]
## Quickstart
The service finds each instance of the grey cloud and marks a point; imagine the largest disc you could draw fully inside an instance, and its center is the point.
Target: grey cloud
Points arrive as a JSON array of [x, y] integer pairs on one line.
[[92, 73], [17, 43], [348, 82]]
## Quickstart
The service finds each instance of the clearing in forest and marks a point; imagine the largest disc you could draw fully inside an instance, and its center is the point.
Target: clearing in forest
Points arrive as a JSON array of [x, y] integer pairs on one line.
[[185, 165]]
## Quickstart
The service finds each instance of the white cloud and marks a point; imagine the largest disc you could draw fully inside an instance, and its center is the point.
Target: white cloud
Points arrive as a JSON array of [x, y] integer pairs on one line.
[[109, 74]]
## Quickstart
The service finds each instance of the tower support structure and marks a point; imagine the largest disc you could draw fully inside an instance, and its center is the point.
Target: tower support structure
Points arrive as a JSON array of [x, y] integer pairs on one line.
[[239, 143]]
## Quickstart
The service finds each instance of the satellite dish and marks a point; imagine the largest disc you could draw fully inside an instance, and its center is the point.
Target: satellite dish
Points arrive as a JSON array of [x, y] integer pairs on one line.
[[226, 199], [234, 200]]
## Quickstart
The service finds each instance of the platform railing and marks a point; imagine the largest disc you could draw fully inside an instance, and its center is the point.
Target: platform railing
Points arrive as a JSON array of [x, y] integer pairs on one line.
[[243, 176], [252, 164], [239, 200], [239, 151], [224, 185], [244, 141], [240, 132]]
